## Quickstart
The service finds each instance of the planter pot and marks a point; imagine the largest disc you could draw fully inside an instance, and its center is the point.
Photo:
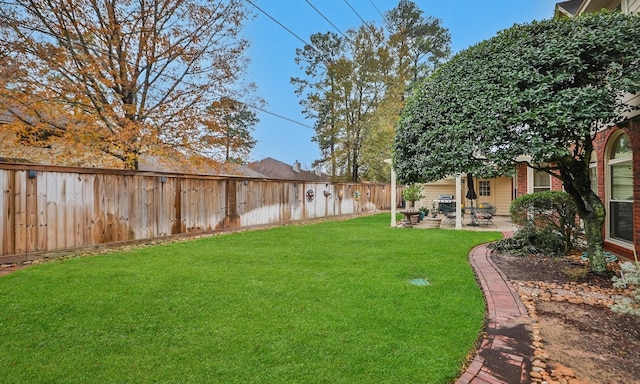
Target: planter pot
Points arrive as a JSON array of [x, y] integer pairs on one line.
[[433, 222], [410, 217]]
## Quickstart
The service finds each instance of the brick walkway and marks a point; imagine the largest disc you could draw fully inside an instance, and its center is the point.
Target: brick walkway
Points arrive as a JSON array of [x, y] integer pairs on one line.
[[504, 355]]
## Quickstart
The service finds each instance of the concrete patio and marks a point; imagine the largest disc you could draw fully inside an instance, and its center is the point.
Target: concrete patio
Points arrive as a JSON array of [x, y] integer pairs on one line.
[[500, 224]]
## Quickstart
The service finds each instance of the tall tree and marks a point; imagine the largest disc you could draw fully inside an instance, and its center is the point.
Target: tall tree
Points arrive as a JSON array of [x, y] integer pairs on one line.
[[543, 90], [417, 46], [317, 92], [420, 44], [345, 82], [355, 87], [123, 76], [361, 86], [228, 129]]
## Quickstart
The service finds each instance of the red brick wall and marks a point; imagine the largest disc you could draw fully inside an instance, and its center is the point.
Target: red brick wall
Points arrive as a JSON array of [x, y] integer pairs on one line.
[[634, 134], [522, 172], [600, 146], [556, 184]]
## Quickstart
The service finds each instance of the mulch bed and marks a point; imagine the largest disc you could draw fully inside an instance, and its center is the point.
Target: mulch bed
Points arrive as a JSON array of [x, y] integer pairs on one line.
[[577, 329]]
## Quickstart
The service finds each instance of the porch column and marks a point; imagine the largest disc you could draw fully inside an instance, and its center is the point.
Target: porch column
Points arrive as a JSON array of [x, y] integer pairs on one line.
[[458, 202], [393, 192]]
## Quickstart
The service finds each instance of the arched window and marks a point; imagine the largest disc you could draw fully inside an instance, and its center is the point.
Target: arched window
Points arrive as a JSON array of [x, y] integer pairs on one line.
[[620, 189]]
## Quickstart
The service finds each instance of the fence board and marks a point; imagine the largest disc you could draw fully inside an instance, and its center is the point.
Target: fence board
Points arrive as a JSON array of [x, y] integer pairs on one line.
[[7, 224], [87, 209], [163, 227], [60, 195], [41, 207], [20, 206], [31, 211], [67, 208], [122, 220]]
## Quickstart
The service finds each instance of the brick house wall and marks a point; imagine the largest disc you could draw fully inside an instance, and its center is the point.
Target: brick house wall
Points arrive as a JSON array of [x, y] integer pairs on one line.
[[600, 146], [634, 133], [603, 138], [522, 181]]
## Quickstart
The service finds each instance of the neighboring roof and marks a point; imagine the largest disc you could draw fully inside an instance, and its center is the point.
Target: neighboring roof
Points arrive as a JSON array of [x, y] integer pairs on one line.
[[241, 170], [568, 8], [575, 7], [14, 160], [169, 160], [55, 154], [5, 117], [195, 165], [275, 169], [64, 154]]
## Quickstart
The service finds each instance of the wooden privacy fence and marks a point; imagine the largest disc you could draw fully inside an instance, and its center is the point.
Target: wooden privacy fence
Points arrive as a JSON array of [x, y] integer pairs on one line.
[[48, 209]]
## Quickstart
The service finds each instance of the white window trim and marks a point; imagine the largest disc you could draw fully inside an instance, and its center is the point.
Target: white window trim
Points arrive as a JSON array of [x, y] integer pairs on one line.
[[607, 191], [530, 178]]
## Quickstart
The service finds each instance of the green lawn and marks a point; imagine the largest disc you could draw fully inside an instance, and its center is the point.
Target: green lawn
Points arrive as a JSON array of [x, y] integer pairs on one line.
[[322, 303]]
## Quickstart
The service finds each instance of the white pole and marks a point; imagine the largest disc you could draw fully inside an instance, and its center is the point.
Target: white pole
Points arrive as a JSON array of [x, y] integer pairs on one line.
[[393, 193], [458, 202]]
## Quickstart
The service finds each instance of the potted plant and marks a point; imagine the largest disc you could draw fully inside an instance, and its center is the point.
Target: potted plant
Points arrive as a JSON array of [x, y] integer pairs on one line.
[[423, 213], [433, 221], [411, 194]]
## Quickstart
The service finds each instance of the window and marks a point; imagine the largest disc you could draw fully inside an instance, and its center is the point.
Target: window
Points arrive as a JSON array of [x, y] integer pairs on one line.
[[541, 181], [593, 176], [484, 188], [593, 172], [621, 190]]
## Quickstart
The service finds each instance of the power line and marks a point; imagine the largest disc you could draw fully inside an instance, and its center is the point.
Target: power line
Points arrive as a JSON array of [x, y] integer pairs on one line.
[[255, 106], [307, 44], [328, 21], [356, 12], [374, 6], [277, 115], [280, 24]]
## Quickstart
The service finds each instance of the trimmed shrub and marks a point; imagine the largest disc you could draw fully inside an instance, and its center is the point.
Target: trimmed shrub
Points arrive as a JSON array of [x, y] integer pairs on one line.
[[549, 224]]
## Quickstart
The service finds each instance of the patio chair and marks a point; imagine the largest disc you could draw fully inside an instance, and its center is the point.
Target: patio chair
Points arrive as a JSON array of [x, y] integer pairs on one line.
[[449, 213], [484, 214]]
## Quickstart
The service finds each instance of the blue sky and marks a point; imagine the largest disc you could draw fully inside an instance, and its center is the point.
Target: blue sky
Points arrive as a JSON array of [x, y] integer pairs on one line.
[[272, 53]]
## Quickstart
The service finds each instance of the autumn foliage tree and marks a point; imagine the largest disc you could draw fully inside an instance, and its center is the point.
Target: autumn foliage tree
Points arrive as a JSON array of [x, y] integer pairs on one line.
[[121, 76]]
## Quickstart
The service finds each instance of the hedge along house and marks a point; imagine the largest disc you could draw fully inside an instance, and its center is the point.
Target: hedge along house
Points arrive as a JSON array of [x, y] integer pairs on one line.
[[615, 166]]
